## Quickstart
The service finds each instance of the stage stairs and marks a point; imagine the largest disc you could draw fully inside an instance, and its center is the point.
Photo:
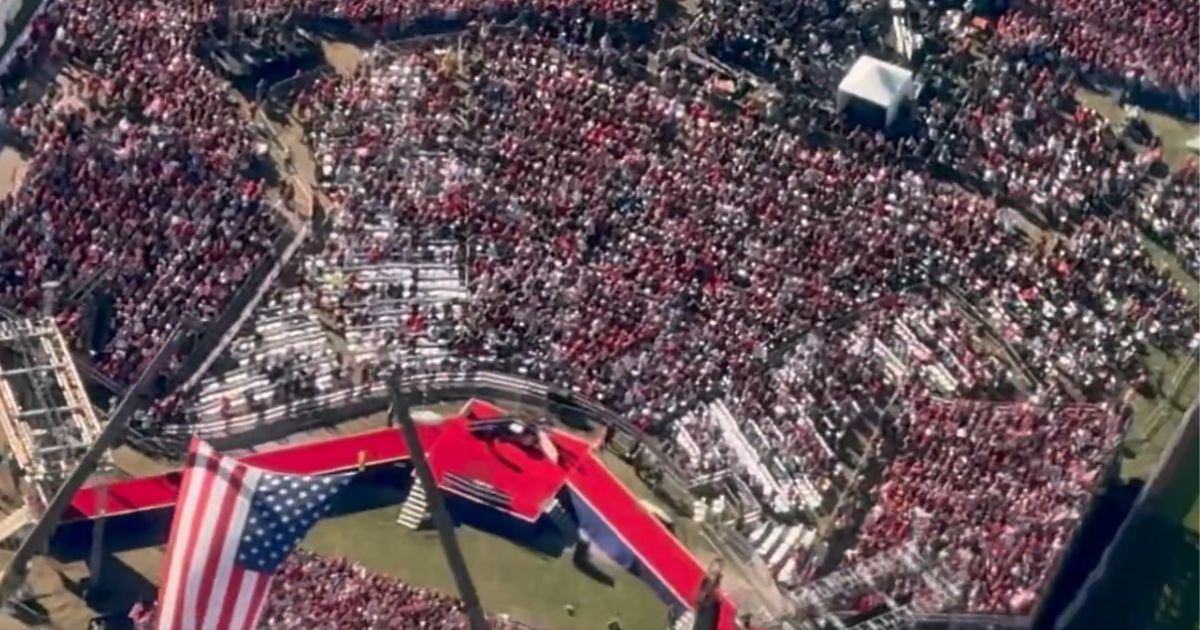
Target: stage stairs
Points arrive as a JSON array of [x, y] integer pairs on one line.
[[415, 511], [686, 621]]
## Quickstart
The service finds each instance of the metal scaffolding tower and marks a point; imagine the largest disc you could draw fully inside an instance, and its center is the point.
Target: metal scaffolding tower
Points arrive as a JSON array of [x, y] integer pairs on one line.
[[44, 410], [95, 451]]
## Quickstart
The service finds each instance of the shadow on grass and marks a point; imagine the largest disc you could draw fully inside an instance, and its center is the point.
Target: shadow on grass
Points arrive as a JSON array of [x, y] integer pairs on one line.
[[582, 561], [120, 588]]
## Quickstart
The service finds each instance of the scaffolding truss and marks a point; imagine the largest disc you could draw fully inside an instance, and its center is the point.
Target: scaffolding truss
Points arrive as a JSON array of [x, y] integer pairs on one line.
[[940, 589], [44, 409]]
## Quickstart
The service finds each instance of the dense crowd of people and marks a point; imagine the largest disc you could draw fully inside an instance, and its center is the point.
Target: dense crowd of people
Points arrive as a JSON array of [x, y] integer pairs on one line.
[[995, 490], [801, 46], [1144, 44], [1172, 217], [1013, 128], [640, 272], [393, 13], [626, 235], [144, 126], [319, 593]]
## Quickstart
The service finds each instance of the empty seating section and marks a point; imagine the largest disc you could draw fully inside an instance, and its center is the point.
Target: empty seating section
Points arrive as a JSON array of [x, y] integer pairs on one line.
[[783, 548]]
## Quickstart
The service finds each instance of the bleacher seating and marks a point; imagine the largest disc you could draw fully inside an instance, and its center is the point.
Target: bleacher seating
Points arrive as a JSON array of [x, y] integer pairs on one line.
[[283, 355]]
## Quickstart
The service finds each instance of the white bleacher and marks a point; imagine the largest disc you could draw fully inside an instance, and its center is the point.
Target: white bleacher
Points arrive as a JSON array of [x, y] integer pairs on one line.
[[283, 328], [428, 280], [776, 543], [747, 455], [783, 550], [686, 443], [787, 572], [746, 440]]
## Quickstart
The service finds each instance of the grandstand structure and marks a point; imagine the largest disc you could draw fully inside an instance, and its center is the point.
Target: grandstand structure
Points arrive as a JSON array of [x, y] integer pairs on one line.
[[44, 409], [802, 440]]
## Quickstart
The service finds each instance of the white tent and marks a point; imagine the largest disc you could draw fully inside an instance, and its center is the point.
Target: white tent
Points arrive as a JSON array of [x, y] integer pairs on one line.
[[877, 83]]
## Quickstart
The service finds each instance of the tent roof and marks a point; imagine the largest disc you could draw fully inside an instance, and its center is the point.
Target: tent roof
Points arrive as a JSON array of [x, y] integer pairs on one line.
[[877, 81]]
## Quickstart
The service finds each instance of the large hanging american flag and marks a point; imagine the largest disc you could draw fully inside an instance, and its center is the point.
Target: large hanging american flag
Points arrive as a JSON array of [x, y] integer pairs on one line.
[[234, 525]]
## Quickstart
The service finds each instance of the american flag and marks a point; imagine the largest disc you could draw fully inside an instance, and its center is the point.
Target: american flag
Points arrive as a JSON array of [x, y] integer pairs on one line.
[[234, 525]]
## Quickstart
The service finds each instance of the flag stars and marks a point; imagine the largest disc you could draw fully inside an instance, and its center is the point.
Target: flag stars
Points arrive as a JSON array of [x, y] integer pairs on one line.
[[282, 510]]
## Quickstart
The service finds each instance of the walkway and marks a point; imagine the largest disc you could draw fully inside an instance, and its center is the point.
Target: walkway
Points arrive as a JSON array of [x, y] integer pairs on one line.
[[617, 523]]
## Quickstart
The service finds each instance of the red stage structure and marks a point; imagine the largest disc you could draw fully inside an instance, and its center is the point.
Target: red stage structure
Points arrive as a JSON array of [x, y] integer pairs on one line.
[[464, 463]]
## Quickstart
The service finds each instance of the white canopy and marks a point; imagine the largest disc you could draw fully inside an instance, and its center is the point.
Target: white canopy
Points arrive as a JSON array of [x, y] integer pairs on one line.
[[877, 82]]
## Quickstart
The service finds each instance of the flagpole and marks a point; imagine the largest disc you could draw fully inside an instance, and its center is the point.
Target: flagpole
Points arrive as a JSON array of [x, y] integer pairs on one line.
[[437, 508]]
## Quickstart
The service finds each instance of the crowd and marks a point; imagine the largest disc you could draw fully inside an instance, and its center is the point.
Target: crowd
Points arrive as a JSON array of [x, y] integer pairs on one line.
[[623, 234], [1012, 127], [993, 490], [390, 13], [618, 242], [142, 126], [803, 47], [319, 593], [1171, 216], [1144, 45]]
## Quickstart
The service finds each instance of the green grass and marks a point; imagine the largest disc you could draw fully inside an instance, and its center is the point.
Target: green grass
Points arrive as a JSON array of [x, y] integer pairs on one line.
[[1155, 419], [531, 587]]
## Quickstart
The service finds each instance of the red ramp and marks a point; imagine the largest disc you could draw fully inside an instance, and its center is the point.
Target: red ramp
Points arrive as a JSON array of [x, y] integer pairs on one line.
[[380, 446], [616, 522]]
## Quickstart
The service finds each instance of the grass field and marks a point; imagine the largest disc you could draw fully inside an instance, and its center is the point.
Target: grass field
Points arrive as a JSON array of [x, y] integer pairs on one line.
[[531, 587]]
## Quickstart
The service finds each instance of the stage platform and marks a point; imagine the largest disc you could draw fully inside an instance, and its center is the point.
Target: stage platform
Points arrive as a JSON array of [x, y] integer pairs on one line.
[[525, 479], [617, 523], [519, 481]]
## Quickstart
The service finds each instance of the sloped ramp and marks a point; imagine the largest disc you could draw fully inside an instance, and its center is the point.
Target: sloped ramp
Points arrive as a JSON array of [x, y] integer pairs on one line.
[[617, 524]]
